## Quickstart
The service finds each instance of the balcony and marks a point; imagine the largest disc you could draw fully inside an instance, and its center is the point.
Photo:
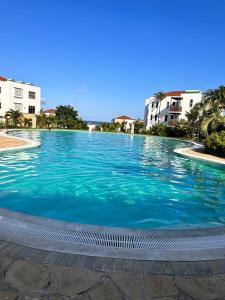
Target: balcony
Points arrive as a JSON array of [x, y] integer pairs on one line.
[[172, 123], [175, 109]]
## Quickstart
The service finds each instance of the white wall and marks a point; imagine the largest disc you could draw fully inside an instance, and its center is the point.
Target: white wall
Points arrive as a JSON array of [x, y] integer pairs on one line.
[[8, 98], [161, 110]]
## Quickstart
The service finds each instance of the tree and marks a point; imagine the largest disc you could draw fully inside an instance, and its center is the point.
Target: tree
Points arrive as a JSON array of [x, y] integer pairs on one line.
[[14, 117], [182, 129], [27, 122], [44, 121], [159, 96], [66, 116], [194, 117], [212, 106], [138, 126], [80, 124]]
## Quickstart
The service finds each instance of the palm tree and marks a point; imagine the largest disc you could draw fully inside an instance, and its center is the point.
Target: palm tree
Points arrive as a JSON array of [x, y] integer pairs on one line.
[[212, 107], [208, 112], [27, 122], [194, 118], [13, 116], [160, 96]]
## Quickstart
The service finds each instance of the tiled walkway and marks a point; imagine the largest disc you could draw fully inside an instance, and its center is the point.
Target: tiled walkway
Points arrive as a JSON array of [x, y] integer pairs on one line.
[[36, 274]]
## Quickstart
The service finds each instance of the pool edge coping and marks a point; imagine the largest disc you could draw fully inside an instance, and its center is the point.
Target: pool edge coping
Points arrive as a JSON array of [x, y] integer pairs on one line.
[[42, 239]]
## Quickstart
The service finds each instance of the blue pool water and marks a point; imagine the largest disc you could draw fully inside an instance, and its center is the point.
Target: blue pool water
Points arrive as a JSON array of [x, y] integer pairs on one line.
[[112, 180]]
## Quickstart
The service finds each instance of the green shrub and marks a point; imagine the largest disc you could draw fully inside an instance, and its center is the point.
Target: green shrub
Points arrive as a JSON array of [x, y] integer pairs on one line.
[[159, 129], [215, 143]]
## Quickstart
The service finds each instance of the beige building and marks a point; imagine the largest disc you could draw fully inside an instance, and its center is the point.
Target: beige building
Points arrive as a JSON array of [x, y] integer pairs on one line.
[[49, 112], [127, 121]]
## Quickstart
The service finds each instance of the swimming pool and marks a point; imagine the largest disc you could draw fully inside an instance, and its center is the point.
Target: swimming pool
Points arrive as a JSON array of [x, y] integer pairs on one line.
[[114, 180]]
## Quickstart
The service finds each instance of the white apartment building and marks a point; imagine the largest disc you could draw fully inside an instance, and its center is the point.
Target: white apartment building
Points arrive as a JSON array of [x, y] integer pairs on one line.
[[19, 95], [172, 108]]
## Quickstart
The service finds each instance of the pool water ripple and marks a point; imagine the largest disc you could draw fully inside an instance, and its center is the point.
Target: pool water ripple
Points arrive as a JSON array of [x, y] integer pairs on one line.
[[112, 180]]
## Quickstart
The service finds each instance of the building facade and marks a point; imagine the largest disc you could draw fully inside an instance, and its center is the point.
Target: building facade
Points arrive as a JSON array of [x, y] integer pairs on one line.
[[50, 112], [172, 108], [21, 96], [127, 121]]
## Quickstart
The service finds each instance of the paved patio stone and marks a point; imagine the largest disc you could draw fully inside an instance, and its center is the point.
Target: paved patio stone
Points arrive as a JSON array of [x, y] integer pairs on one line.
[[129, 283], [107, 291], [72, 281], [202, 287], [4, 263], [24, 275], [43, 275], [8, 295], [160, 286]]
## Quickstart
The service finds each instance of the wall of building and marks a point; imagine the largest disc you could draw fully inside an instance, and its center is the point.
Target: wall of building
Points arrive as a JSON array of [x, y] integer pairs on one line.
[[157, 112], [10, 99]]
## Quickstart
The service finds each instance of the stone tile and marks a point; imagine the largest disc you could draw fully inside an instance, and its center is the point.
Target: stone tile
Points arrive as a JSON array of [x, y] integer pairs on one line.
[[139, 266], [129, 283], [153, 267], [81, 297], [202, 287], [106, 291], [4, 263], [25, 275], [8, 295], [71, 281], [128, 265], [160, 286], [118, 265], [108, 264], [89, 262]]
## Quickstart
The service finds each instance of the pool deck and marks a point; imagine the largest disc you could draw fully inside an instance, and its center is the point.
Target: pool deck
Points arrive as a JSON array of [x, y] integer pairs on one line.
[[199, 153], [28, 273], [9, 143]]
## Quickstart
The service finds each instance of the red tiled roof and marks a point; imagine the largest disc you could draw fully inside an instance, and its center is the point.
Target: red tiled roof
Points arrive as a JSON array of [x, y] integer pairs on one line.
[[50, 111], [174, 93], [124, 118], [3, 78]]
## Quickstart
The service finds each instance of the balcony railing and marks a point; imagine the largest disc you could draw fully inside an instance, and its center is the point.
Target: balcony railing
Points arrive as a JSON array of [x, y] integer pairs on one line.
[[174, 108], [172, 123]]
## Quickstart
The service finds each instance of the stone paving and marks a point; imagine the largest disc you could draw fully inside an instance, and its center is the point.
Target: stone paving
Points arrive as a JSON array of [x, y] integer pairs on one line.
[[27, 274]]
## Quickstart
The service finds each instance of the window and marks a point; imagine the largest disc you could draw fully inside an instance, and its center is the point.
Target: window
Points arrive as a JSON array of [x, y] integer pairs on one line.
[[18, 93], [0, 105], [166, 118], [191, 103], [167, 105], [157, 104], [151, 117], [172, 117], [0, 90], [155, 117], [18, 106], [31, 110], [31, 95], [174, 103], [152, 104]]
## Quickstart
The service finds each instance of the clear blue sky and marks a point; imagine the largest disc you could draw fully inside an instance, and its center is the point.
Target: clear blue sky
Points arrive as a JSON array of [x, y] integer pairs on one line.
[[106, 56]]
